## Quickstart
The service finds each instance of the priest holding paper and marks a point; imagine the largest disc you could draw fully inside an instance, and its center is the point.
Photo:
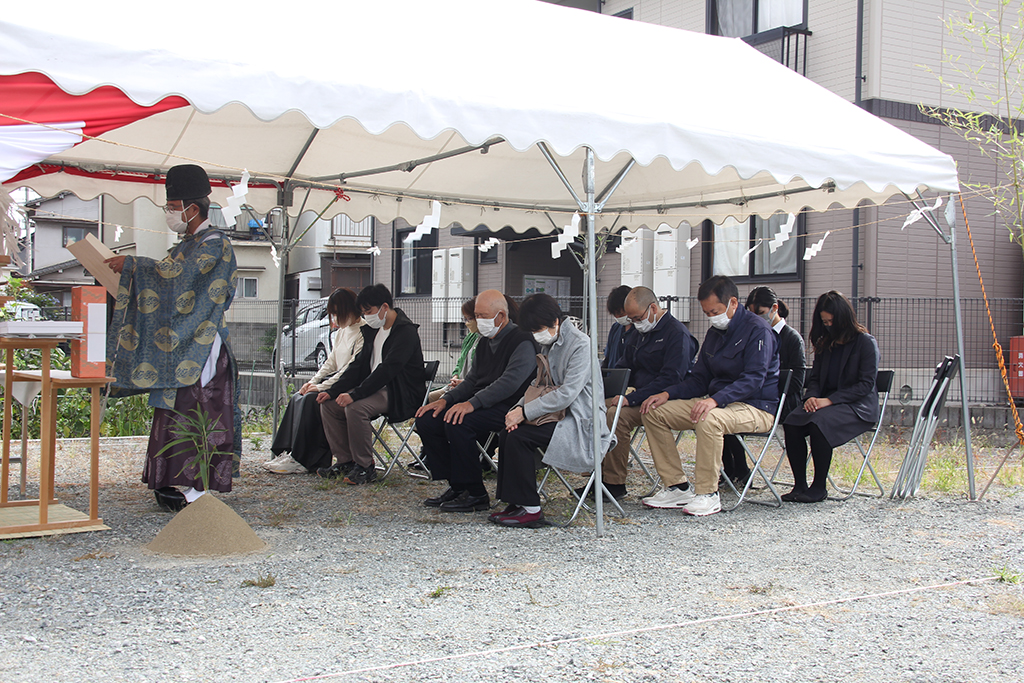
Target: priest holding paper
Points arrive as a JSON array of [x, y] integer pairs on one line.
[[168, 337]]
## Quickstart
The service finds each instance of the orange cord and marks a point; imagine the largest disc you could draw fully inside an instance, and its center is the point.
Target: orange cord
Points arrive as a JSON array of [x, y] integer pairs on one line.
[[995, 338]]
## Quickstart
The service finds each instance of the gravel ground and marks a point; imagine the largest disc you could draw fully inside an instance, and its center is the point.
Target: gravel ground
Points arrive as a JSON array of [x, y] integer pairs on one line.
[[366, 578]]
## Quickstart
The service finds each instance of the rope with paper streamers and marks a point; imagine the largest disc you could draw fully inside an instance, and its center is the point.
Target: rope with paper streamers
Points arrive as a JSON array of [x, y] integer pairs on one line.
[[1018, 427], [490, 243]]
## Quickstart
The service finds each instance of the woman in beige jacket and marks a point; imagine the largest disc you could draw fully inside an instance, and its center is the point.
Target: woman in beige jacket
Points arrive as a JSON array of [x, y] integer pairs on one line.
[[300, 444]]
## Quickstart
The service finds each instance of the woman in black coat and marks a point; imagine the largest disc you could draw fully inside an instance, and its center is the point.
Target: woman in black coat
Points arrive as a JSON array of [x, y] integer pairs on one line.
[[764, 302], [840, 401]]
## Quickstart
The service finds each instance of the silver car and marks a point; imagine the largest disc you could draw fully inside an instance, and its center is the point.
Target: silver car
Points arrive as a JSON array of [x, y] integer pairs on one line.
[[309, 336]]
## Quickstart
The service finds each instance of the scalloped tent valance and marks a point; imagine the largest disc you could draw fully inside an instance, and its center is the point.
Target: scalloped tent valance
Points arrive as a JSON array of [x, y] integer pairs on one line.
[[333, 88]]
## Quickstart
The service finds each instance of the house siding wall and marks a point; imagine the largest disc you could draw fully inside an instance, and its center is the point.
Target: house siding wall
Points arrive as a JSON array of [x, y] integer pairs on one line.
[[688, 15]]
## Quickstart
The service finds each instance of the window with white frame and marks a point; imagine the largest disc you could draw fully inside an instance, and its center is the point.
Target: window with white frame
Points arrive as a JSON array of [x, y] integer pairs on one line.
[[413, 272], [741, 18], [745, 248], [249, 288], [73, 234]]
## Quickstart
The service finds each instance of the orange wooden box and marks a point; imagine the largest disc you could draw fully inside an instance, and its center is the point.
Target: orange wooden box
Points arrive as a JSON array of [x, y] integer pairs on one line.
[[88, 355]]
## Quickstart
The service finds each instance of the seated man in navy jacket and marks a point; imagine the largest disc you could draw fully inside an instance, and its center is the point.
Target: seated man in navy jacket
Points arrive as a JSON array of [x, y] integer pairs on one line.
[[733, 388], [658, 353]]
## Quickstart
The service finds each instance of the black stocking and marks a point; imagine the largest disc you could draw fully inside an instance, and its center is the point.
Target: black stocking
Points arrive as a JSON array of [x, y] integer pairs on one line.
[[821, 452]]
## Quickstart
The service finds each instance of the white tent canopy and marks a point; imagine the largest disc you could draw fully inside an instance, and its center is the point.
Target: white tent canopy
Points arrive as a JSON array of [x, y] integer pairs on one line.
[[318, 93], [717, 129]]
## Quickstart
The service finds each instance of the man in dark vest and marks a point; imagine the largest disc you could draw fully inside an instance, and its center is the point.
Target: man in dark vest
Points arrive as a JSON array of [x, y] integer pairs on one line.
[[449, 428]]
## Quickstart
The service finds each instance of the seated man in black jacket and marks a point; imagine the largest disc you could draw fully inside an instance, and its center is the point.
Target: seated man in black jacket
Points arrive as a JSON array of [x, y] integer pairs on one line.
[[504, 365], [385, 378]]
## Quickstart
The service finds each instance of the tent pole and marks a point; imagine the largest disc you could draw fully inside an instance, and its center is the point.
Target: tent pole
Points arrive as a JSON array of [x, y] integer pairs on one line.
[[279, 365], [595, 366], [965, 409], [964, 405]]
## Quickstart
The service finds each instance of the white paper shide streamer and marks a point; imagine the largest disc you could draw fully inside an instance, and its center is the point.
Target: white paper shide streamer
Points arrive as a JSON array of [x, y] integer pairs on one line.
[[785, 232], [918, 214], [812, 251], [10, 227], [234, 205], [568, 235], [431, 222]]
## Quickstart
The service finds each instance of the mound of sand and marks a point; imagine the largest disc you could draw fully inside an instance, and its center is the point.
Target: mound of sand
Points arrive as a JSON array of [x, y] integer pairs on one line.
[[206, 527]]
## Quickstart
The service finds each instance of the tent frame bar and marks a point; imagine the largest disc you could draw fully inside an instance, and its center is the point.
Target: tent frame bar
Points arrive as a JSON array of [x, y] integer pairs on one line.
[[409, 166], [965, 410]]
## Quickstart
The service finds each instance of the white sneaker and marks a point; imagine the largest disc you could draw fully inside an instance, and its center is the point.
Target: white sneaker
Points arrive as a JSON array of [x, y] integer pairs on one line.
[[704, 504], [671, 498], [286, 466], [278, 460]]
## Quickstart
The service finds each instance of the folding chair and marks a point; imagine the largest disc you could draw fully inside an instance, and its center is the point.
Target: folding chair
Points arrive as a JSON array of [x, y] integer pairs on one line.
[[616, 381], [635, 442], [784, 378], [883, 385], [485, 448], [908, 479], [379, 426]]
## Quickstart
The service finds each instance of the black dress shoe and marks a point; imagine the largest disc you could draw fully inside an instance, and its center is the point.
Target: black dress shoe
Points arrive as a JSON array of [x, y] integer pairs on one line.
[[170, 499], [465, 502], [810, 496], [435, 502], [336, 471], [791, 496]]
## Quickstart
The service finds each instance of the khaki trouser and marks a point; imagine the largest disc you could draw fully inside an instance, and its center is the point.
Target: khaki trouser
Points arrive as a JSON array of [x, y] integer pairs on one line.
[[616, 463], [734, 418]]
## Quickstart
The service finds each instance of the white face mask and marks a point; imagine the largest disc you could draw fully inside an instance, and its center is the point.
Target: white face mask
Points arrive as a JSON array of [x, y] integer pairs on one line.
[[645, 325], [720, 321], [546, 337], [486, 327], [376, 321], [623, 320], [175, 222]]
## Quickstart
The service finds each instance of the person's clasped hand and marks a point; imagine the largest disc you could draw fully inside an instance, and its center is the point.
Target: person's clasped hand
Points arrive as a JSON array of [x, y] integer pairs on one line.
[[514, 418]]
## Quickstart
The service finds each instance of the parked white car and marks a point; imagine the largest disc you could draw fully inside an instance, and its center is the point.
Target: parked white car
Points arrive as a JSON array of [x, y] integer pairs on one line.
[[310, 336]]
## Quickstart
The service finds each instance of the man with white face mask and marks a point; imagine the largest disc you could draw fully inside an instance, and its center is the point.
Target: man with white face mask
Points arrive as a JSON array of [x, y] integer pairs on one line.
[[504, 365], [732, 388], [168, 338], [621, 329], [385, 378], [658, 353]]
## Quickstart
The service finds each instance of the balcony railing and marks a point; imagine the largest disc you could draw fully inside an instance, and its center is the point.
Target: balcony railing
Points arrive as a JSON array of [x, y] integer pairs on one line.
[[786, 44]]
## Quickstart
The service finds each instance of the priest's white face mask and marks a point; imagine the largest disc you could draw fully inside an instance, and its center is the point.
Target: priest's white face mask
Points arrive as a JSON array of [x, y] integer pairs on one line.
[[177, 219]]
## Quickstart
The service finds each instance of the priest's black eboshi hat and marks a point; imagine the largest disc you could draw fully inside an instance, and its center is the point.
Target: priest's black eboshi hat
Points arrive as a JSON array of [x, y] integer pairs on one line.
[[187, 181]]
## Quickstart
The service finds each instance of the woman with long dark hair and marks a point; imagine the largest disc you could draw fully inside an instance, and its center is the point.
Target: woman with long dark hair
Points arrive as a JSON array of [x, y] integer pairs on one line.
[[840, 401], [300, 444], [764, 302]]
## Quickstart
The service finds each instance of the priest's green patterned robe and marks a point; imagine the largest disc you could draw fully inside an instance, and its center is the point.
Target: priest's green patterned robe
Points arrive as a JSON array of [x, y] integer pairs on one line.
[[169, 337]]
